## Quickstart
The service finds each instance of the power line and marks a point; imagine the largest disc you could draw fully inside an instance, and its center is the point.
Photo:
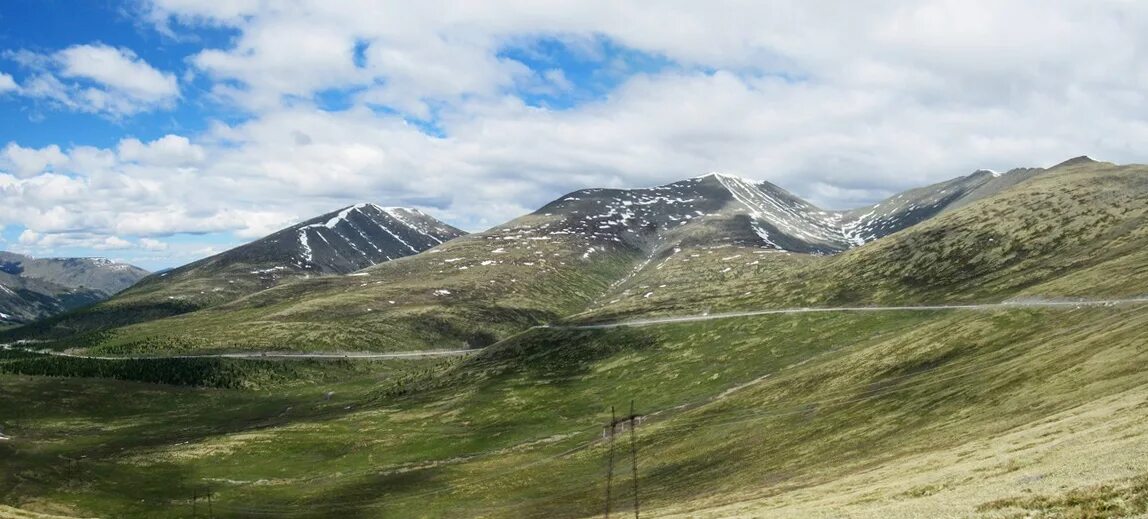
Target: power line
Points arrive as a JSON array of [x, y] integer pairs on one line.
[[610, 466], [634, 455], [755, 416]]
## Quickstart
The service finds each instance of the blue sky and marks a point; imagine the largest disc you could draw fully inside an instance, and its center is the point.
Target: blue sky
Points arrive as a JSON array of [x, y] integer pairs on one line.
[[45, 26], [160, 131]]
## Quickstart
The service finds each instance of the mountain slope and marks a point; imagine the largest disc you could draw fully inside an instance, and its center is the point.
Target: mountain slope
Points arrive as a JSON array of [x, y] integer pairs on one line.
[[338, 242], [603, 250], [1003, 412], [99, 274], [878, 414], [35, 288], [718, 208], [1074, 230]]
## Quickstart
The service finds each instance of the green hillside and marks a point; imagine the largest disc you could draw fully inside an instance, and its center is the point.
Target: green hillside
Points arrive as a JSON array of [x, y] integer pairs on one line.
[[1003, 412], [457, 295], [911, 411], [345, 240], [1076, 231], [1073, 231]]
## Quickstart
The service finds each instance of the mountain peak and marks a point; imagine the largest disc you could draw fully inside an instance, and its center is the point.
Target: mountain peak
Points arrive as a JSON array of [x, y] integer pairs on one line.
[[364, 234], [1083, 159], [33, 288], [717, 175]]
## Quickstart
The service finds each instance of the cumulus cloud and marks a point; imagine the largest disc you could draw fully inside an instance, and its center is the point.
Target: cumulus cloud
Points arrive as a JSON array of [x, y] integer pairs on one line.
[[34, 241], [118, 69], [7, 84], [152, 245], [169, 150], [844, 104], [94, 78], [27, 162]]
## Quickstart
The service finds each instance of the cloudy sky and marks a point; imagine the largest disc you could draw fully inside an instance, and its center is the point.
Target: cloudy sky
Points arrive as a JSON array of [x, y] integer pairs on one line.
[[160, 131]]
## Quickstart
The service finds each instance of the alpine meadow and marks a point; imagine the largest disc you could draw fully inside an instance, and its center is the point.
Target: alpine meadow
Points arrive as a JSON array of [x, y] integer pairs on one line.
[[466, 261]]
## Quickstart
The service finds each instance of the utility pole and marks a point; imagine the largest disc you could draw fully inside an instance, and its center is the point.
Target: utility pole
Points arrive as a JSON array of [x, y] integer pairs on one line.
[[634, 454], [610, 466], [194, 499], [210, 511]]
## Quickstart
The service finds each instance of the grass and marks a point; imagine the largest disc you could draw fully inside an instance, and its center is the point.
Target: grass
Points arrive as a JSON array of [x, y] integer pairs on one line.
[[200, 372], [1123, 498], [1079, 231], [798, 401], [459, 295], [1003, 413]]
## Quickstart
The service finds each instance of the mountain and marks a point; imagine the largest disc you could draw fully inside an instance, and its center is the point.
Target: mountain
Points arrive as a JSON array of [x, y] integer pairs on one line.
[[737, 210], [1013, 410], [338, 242], [34, 288], [1065, 231], [714, 241], [98, 274]]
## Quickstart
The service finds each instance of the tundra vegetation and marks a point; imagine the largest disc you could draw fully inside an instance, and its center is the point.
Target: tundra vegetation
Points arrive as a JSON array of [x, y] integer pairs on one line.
[[1007, 412]]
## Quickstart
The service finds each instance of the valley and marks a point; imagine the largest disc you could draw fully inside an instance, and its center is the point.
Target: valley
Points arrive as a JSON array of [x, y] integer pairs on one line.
[[970, 349]]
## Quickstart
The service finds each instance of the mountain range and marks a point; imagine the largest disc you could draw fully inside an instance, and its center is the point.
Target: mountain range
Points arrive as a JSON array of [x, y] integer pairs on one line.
[[369, 278], [34, 288], [339, 242], [715, 346]]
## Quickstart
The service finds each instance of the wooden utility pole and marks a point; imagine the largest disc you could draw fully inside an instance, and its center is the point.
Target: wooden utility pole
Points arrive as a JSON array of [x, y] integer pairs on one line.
[[634, 454], [610, 466]]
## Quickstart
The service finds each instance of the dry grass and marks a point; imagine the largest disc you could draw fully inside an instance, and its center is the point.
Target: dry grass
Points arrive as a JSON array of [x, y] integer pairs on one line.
[[1087, 462]]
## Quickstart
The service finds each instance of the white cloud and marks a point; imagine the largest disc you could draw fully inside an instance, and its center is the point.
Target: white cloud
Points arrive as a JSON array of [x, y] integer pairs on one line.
[[37, 243], [100, 79], [7, 84], [152, 245], [27, 162], [843, 103], [119, 70], [169, 150], [113, 243]]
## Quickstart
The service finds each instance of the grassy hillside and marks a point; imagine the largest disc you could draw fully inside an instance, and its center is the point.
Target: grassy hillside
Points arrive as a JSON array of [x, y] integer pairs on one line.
[[200, 372], [469, 292], [1023, 412], [910, 413], [1078, 230], [344, 241]]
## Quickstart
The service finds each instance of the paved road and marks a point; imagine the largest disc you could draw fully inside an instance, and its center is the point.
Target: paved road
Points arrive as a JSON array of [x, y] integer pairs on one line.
[[637, 322], [728, 315]]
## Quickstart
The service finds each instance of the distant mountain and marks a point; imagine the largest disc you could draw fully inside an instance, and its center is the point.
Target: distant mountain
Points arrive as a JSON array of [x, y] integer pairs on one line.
[[590, 250], [34, 288], [339, 242], [742, 211]]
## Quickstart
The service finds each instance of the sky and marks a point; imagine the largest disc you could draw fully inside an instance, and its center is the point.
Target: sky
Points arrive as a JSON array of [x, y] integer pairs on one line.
[[160, 131]]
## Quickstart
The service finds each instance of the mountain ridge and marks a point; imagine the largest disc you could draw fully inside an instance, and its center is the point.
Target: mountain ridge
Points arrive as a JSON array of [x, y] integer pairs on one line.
[[338, 242], [334, 243], [34, 288], [584, 251]]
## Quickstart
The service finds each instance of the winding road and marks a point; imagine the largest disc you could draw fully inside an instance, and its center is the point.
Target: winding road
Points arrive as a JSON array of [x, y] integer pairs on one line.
[[619, 324], [777, 311]]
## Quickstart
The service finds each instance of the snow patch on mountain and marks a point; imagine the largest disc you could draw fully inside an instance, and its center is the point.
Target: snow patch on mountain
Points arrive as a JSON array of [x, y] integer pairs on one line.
[[366, 234]]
